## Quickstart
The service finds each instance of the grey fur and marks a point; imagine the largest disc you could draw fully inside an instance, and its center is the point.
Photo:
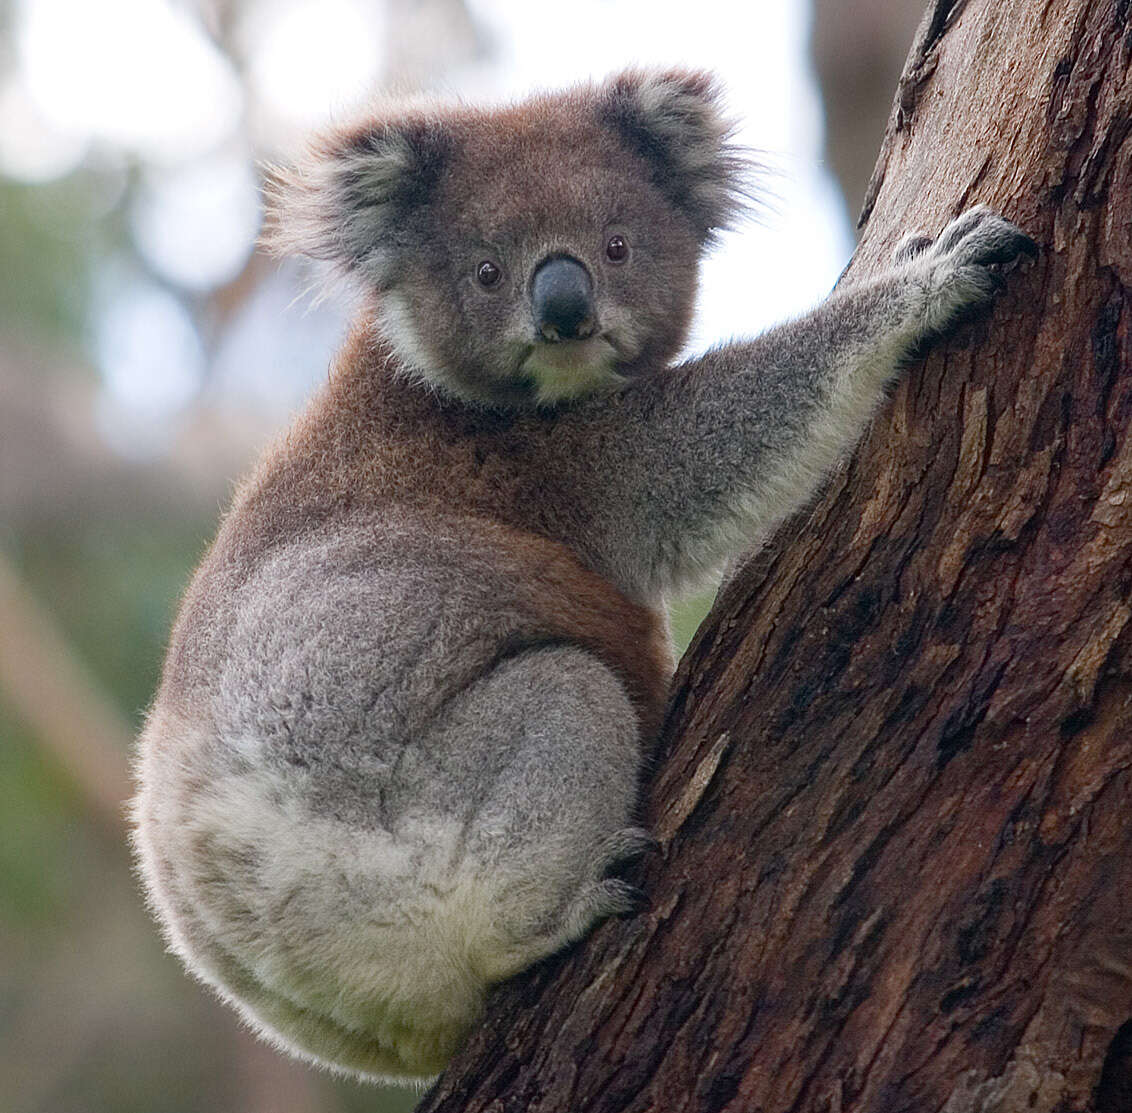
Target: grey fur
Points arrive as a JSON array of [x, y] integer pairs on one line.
[[405, 710]]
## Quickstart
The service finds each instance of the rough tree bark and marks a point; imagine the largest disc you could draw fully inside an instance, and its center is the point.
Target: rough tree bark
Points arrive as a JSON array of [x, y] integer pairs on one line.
[[894, 790]]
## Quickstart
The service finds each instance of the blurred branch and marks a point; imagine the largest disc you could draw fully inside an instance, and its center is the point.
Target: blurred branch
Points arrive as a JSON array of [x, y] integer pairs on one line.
[[226, 301], [52, 690], [858, 50]]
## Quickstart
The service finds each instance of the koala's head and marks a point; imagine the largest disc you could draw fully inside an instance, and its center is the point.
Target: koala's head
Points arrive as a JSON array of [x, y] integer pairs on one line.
[[533, 253]]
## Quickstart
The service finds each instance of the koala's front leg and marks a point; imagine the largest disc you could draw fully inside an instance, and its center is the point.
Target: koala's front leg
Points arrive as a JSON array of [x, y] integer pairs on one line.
[[712, 455]]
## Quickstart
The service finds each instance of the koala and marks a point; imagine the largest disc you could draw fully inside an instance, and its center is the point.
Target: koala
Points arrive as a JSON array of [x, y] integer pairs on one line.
[[396, 748]]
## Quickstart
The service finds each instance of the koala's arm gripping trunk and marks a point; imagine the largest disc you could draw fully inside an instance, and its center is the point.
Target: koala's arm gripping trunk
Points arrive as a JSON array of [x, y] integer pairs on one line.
[[696, 464], [720, 450]]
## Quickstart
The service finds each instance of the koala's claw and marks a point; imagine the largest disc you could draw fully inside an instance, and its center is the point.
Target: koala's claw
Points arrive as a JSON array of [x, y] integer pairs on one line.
[[980, 237], [910, 246], [625, 845], [623, 899], [955, 271]]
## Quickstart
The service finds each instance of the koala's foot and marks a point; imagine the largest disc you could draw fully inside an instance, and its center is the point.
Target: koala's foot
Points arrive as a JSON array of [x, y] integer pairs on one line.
[[958, 272], [595, 901], [602, 897], [625, 845], [616, 897]]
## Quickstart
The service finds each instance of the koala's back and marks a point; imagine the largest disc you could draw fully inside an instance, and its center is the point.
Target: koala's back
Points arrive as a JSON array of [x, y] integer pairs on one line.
[[346, 645], [340, 648], [342, 771]]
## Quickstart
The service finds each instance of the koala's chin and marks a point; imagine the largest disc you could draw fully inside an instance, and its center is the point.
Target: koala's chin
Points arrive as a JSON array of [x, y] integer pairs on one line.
[[571, 369], [396, 752]]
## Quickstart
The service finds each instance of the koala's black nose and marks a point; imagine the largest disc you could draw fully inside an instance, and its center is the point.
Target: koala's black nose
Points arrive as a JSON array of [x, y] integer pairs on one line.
[[562, 300]]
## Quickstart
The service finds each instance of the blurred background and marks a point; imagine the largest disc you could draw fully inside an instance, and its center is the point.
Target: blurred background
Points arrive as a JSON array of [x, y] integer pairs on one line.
[[147, 349]]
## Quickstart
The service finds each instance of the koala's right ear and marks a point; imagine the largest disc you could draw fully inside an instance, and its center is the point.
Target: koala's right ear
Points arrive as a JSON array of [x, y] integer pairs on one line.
[[349, 199]]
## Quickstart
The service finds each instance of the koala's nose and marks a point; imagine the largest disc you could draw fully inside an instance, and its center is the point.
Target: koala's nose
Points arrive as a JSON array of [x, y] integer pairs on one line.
[[562, 300]]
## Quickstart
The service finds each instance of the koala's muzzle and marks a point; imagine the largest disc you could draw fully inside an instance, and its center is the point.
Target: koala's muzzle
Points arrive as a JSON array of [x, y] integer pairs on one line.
[[562, 300]]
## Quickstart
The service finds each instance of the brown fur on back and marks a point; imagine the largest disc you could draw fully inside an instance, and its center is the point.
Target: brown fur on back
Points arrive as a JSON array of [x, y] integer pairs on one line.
[[371, 442]]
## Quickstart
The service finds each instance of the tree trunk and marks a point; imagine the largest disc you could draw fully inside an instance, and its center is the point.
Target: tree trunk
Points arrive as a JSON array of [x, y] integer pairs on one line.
[[894, 790]]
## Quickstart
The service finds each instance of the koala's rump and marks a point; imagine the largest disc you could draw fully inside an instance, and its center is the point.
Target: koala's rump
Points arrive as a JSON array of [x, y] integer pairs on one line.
[[345, 647], [294, 780]]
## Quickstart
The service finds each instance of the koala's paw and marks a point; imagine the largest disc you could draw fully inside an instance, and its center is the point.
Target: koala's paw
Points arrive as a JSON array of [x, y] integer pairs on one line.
[[613, 896], [959, 273], [619, 898], [623, 846]]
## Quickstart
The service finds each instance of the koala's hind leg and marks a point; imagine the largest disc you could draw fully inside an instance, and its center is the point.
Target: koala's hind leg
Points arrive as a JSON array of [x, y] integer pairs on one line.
[[555, 740]]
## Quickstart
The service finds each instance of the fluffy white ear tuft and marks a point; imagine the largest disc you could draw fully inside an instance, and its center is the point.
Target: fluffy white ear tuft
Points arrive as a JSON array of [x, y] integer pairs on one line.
[[673, 118], [349, 199]]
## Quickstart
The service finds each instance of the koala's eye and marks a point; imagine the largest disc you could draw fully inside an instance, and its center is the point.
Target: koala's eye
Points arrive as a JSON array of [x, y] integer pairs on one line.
[[617, 250], [488, 274]]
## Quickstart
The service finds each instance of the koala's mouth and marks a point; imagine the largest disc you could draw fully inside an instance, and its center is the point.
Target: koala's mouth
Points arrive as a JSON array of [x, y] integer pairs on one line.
[[571, 368]]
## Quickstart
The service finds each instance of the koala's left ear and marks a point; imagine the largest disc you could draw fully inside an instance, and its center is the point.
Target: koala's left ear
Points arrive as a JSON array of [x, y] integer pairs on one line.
[[350, 199], [674, 119]]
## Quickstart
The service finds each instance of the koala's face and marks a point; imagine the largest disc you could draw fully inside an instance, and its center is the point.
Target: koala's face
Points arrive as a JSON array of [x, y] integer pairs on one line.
[[535, 253], [549, 267]]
